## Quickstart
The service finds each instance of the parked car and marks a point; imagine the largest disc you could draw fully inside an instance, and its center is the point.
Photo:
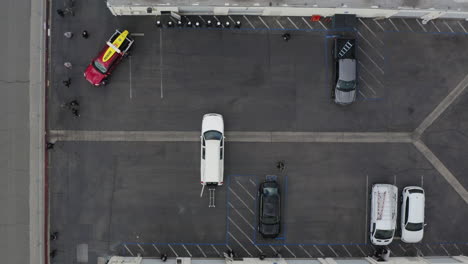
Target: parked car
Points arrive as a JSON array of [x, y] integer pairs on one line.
[[212, 150], [346, 75], [384, 200], [117, 47], [412, 214], [269, 209]]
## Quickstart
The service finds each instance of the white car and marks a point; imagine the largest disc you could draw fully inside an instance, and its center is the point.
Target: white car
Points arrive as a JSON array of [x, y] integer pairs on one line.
[[212, 150], [384, 202], [412, 214]]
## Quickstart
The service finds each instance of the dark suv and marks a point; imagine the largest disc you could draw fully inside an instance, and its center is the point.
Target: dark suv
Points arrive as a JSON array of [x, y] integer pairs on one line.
[[269, 215]]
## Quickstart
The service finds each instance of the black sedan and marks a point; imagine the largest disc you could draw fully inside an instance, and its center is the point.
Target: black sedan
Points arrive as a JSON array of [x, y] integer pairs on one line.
[[269, 215]]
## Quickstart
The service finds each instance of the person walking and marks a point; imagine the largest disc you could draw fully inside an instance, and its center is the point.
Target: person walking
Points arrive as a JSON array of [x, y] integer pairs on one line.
[[85, 34], [68, 34], [50, 145], [60, 12], [76, 112], [68, 65], [54, 236], [67, 82], [286, 36]]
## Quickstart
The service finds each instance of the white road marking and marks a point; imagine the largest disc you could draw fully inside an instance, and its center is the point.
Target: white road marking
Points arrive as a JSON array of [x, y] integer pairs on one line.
[[402, 248], [142, 249], [204, 255], [246, 206], [217, 252], [279, 24], [240, 229], [451, 30], [404, 21], [130, 73], [307, 23], [362, 251], [421, 25], [446, 251], [349, 253], [418, 250], [292, 23], [455, 245], [186, 249], [129, 251], [376, 65], [232, 20], [307, 252], [294, 255], [370, 30], [161, 62], [378, 24], [247, 222], [370, 73], [319, 251], [260, 18], [394, 179], [370, 44], [246, 191], [422, 181], [216, 18], [427, 245], [367, 85], [367, 205], [249, 22], [320, 22], [254, 184], [336, 254], [173, 250], [363, 95], [228, 247], [137, 34], [202, 19], [460, 24], [240, 244], [274, 250], [432, 22], [157, 249], [393, 24]]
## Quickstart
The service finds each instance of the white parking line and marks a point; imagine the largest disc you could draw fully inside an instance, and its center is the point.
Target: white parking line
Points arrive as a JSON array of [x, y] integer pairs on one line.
[[307, 23], [130, 73], [240, 244], [393, 24], [362, 251], [240, 229], [460, 24], [427, 245], [246, 191], [363, 95], [249, 22], [370, 73], [279, 24], [294, 255], [216, 18], [274, 250], [142, 249], [349, 253], [376, 65], [370, 44], [173, 250], [204, 255], [432, 22], [215, 249], [320, 22], [319, 251], [404, 21], [254, 184], [186, 249], [232, 20], [246, 206], [292, 23], [137, 34], [445, 22], [455, 245], [202, 19], [129, 251], [260, 18], [394, 179], [228, 247], [421, 25], [336, 254], [418, 251], [157, 249], [402, 248], [378, 24], [367, 85], [367, 205], [422, 181], [446, 251], [161, 62], [251, 226], [307, 252], [370, 30]]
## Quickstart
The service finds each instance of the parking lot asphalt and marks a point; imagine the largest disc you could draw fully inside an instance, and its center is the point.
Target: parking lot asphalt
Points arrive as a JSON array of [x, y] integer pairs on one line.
[[133, 198]]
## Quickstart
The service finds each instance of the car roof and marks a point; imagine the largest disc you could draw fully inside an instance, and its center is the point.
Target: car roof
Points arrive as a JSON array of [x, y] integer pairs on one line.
[[347, 70], [416, 208], [110, 61], [212, 161]]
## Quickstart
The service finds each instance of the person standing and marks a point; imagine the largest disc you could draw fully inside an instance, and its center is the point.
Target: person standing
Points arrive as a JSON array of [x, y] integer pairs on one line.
[[60, 12], [85, 34], [286, 36], [68, 65], [68, 34], [67, 82]]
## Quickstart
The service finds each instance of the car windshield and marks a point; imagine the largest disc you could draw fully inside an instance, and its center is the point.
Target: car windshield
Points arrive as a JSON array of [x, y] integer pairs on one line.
[[346, 86], [414, 226], [270, 220], [384, 234], [212, 135], [100, 67], [270, 191]]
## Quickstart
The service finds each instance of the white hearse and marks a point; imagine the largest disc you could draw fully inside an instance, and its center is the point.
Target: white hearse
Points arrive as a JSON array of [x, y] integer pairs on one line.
[[212, 150], [383, 214]]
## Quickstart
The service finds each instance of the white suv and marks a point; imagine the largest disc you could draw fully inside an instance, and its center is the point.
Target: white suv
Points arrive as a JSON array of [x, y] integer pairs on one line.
[[212, 150], [412, 214], [384, 199]]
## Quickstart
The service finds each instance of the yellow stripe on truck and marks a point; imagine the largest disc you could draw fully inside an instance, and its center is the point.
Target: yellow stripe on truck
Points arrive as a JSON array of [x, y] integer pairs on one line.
[[117, 43]]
